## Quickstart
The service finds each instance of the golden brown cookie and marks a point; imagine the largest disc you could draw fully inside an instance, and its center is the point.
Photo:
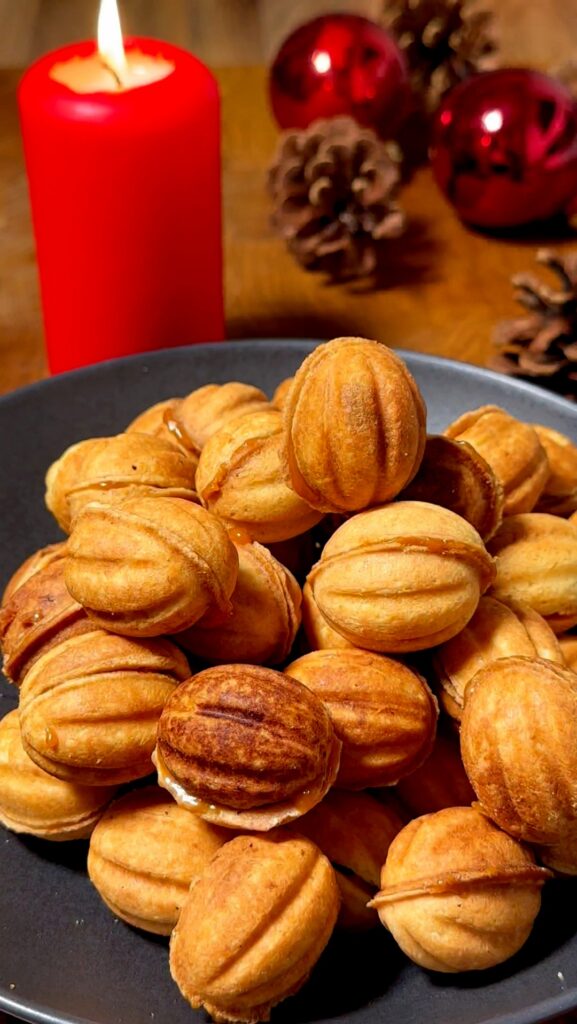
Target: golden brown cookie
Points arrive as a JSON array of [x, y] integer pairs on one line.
[[319, 634], [112, 469], [354, 426], [559, 496], [568, 645], [511, 448], [273, 900], [453, 474], [150, 566], [89, 707], [440, 782], [458, 894], [497, 630], [36, 803], [281, 393], [354, 831], [519, 746], [402, 577], [144, 854], [562, 857], [536, 561], [39, 560], [246, 747], [383, 713], [265, 616], [240, 479], [154, 420], [40, 614], [205, 411]]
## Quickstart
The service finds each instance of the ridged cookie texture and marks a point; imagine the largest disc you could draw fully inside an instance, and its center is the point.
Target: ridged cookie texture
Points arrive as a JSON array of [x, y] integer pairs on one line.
[[89, 707], [513, 451], [354, 426], [402, 577], [150, 566], [145, 853], [254, 925], [519, 746], [111, 469], [38, 804], [383, 713], [458, 894], [246, 747]]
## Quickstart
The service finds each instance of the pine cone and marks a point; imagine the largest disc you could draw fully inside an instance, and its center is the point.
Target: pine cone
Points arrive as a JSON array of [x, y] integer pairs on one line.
[[333, 185], [444, 41], [542, 346]]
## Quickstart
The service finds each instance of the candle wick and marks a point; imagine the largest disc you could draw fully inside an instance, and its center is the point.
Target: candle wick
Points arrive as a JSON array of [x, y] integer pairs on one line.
[[113, 72]]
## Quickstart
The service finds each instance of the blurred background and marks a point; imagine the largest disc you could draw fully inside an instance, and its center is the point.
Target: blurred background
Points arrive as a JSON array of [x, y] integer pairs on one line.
[[237, 32], [441, 288]]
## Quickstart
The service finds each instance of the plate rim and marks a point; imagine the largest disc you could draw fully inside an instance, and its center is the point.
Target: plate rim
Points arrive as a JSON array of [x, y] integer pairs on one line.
[[538, 1012], [564, 405]]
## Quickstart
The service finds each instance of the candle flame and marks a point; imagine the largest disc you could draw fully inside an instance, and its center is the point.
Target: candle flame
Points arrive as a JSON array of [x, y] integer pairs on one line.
[[110, 41]]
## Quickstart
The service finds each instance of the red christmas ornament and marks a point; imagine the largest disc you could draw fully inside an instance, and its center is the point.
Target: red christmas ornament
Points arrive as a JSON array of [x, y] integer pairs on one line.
[[504, 148], [339, 64]]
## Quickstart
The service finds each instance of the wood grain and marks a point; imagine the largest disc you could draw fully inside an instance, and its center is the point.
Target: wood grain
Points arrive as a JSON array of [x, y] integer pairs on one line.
[[441, 288]]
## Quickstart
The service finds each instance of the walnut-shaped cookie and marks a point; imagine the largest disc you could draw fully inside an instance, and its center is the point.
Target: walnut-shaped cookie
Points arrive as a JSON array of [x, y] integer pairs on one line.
[[273, 900], [207, 409], [246, 747], [38, 804], [354, 831], [144, 854], [511, 448], [453, 474], [536, 561], [89, 707], [319, 634], [149, 566], [40, 614], [112, 469], [240, 479], [265, 616], [354, 426], [383, 713], [559, 496], [440, 782], [497, 630], [457, 894], [34, 563], [519, 746], [402, 577]]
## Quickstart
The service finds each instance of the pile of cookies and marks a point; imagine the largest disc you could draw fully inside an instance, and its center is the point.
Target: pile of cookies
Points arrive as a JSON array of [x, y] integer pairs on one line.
[[397, 740]]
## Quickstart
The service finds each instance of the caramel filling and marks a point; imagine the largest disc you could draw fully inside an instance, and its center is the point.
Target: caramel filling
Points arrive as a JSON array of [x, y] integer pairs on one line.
[[260, 819], [456, 881]]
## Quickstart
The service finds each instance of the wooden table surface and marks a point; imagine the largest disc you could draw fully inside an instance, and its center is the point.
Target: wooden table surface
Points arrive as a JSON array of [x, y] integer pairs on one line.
[[442, 287]]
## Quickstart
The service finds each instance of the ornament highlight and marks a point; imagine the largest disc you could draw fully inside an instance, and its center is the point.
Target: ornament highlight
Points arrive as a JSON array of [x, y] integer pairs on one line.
[[504, 149], [339, 64]]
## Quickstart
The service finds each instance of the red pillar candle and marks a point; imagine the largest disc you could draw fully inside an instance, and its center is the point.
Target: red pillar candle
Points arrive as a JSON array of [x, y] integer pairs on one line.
[[125, 192]]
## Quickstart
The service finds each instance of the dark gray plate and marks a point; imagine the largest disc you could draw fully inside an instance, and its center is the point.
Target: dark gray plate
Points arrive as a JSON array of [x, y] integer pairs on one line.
[[63, 957]]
